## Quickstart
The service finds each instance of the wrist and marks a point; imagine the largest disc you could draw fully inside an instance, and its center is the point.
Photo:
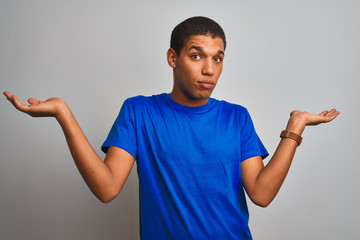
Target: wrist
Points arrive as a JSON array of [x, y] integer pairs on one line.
[[296, 124], [62, 110], [287, 134]]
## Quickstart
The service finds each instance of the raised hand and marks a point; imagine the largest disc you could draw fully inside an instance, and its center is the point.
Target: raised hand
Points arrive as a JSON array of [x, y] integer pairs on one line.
[[315, 119], [299, 120], [36, 108], [104, 178]]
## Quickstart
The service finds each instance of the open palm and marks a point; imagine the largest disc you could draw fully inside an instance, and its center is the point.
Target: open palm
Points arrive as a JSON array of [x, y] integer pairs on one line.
[[36, 108], [312, 119]]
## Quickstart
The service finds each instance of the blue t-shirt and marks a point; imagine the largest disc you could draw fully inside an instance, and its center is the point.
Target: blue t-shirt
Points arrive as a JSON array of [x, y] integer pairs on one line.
[[188, 164]]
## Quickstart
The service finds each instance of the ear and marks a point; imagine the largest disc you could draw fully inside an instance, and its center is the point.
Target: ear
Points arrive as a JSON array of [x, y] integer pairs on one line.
[[171, 57]]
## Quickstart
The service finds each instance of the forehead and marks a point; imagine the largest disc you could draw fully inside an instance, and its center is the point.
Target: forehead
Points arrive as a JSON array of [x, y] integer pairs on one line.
[[205, 42]]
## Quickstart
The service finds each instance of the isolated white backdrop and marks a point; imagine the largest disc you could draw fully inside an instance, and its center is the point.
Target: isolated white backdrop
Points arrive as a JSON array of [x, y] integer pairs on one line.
[[281, 55]]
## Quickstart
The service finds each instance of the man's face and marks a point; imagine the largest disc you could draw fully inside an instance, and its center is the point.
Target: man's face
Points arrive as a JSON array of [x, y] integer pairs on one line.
[[197, 69]]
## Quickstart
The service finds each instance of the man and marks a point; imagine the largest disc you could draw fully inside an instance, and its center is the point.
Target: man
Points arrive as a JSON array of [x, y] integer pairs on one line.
[[194, 154]]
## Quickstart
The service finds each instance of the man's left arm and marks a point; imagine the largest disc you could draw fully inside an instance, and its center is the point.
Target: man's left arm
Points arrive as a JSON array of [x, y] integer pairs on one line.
[[262, 183]]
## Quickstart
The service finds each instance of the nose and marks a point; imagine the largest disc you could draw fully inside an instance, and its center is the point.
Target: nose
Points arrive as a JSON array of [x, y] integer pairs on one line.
[[208, 68]]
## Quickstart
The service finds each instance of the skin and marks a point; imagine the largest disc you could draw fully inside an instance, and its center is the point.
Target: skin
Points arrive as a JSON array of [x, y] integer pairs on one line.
[[196, 71], [104, 178], [262, 183]]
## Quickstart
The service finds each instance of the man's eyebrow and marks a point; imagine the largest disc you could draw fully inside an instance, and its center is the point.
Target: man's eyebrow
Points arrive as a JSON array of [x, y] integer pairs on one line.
[[200, 49], [196, 48]]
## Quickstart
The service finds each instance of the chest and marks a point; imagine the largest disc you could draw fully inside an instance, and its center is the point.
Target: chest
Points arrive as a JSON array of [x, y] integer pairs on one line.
[[191, 137]]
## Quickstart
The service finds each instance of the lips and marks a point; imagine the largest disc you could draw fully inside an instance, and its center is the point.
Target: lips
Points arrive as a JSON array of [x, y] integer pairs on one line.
[[206, 84]]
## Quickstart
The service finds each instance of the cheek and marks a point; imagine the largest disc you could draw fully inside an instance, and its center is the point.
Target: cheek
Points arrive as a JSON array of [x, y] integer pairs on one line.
[[220, 71], [189, 73], [217, 74]]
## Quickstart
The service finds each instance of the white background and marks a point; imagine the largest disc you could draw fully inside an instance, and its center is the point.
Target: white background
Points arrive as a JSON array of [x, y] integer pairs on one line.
[[281, 55]]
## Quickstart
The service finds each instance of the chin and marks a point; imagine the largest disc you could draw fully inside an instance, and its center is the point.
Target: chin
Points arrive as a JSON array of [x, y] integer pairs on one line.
[[205, 96]]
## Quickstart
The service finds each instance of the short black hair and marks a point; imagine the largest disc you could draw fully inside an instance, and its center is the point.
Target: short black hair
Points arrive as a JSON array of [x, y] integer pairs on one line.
[[194, 26]]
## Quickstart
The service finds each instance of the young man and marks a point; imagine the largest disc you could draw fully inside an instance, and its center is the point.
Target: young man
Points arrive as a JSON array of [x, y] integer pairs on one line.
[[194, 154]]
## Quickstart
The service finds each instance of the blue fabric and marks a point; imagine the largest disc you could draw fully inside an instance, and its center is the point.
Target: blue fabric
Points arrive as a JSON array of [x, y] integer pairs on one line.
[[188, 163]]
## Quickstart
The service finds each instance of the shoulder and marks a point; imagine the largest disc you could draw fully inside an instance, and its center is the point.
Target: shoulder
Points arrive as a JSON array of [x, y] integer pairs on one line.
[[229, 106], [236, 112], [141, 100], [142, 103]]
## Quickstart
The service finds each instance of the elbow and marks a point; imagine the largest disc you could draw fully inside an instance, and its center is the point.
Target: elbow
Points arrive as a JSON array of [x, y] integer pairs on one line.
[[107, 196], [105, 199], [262, 204], [261, 201]]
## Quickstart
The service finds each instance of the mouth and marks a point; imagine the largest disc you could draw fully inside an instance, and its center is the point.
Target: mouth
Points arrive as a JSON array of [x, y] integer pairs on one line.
[[206, 84]]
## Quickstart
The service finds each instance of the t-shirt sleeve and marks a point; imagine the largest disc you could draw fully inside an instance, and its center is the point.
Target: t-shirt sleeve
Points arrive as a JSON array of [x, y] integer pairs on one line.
[[251, 144], [123, 133]]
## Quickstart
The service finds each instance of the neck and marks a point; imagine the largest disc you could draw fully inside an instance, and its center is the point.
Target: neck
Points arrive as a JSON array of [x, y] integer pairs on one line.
[[187, 101]]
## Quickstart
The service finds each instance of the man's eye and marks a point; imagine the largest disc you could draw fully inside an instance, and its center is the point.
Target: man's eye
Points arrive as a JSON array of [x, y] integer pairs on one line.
[[217, 59], [195, 57]]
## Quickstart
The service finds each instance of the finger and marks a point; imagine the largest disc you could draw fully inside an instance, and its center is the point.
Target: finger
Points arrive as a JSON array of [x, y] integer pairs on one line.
[[8, 95], [16, 101], [323, 113], [327, 113], [19, 105], [33, 101], [333, 113]]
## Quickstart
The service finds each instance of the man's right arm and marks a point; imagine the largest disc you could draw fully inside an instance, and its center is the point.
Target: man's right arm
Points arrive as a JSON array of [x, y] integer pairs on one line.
[[104, 178]]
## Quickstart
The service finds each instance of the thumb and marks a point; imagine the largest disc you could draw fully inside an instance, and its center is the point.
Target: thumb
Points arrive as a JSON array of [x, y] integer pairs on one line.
[[33, 101]]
